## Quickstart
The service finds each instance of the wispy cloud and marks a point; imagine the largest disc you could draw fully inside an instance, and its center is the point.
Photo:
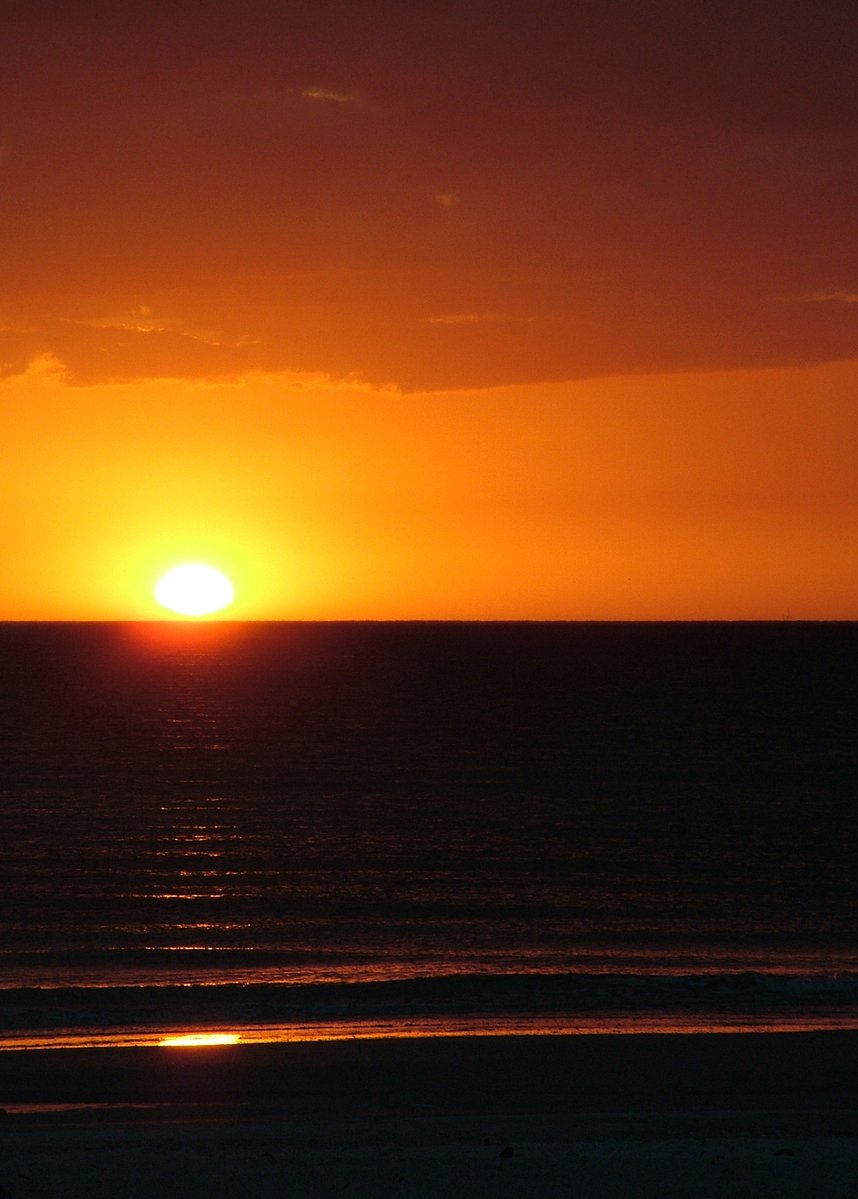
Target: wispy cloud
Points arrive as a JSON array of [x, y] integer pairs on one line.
[[822, 297], [142, 320], [480, 318], [446, 199], [329, 96]]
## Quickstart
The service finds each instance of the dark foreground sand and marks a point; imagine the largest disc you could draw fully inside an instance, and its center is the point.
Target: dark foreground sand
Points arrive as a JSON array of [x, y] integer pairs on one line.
[[771, 1115]]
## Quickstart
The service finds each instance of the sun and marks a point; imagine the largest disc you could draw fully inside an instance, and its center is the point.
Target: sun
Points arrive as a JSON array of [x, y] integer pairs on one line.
[[194, 590]]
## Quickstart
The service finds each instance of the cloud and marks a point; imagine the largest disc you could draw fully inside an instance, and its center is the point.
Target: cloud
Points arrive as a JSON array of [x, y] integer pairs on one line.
[[480, 318], [446, 199], [125, 348], [142, 320], [823, 297], [328, 95], [428, 330], [40, 366]]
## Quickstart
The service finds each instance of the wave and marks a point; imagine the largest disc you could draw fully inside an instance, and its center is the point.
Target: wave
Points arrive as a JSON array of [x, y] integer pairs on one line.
[[570, 996]]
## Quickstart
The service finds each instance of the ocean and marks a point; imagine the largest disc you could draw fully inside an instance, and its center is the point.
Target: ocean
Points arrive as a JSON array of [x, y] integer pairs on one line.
[[300, 831]]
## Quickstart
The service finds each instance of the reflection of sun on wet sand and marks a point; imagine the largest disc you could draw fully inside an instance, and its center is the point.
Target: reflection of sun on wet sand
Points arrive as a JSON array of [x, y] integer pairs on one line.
[[524, 1117], [200, 1040]]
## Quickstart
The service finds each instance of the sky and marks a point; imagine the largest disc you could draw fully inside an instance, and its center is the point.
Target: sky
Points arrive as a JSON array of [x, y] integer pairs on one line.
[[487, 311]]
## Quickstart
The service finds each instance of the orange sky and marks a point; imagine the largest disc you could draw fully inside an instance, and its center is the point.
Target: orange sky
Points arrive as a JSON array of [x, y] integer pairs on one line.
[[484, 313]]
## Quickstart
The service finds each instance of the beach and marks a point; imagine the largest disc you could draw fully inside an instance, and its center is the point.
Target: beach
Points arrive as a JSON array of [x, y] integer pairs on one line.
[[574, 906], [644, 1115]]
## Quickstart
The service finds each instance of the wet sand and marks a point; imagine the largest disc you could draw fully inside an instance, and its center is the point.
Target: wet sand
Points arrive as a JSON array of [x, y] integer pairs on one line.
[[595, 1116]]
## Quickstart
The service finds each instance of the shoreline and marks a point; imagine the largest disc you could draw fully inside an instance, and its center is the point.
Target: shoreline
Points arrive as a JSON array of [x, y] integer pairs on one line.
[[415, 1029], [423, 1075]]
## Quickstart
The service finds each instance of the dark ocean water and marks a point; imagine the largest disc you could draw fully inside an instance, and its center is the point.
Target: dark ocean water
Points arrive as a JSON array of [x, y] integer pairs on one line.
[[398, 827]]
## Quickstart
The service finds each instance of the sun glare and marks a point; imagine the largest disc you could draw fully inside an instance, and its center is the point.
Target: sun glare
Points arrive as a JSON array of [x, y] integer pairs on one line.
[[194, 590]]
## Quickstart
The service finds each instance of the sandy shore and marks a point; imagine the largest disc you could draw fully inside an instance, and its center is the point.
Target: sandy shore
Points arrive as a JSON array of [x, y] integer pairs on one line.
[[745, 1115]]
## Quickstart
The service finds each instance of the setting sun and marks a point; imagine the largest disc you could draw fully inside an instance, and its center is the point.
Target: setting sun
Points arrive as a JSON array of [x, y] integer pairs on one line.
[[194, 590]]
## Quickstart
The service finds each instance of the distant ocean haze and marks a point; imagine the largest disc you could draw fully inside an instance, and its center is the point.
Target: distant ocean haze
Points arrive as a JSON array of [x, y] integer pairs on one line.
[[384, 825]]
